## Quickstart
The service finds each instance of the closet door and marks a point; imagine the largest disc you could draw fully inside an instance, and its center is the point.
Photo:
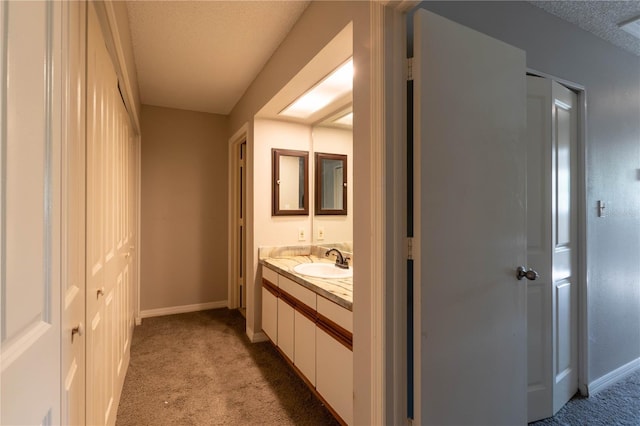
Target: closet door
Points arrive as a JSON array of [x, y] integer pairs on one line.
[[109, 232], [74, 15]]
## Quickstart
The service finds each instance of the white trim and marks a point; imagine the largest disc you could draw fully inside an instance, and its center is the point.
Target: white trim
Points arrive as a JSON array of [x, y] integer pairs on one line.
[[614, 376], [583, 277], [182, 309], [138, 238], [256, 337], [232, 290], [377, 206], [114, 40]]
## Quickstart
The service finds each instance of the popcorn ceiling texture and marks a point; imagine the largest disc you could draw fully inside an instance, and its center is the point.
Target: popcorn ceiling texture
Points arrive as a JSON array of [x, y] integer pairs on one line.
[[600, 18], [202, 55]]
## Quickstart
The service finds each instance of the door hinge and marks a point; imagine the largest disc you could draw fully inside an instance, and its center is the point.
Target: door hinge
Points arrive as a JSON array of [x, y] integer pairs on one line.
[[409, 69], [410, 248]]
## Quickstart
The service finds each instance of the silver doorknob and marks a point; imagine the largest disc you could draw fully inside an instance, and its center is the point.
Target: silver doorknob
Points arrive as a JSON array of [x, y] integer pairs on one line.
[[529, 274], [78, 329]]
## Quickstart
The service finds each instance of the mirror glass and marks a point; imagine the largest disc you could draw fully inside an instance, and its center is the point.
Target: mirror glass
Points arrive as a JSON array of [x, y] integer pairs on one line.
[[290, 182], [331, 184], [332, 201]]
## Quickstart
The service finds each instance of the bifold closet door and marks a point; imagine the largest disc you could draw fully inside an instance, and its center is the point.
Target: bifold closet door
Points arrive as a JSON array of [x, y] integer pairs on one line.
[[109, 231]]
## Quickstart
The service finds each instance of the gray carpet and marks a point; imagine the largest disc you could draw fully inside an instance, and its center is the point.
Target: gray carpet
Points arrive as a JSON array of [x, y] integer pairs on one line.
[[200, 369], [616, 405]]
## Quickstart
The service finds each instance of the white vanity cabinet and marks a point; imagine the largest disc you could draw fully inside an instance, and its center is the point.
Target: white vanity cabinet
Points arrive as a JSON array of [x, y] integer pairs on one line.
[[270, 304], [335, 372], [315, 335], [305, 346], [334, 344], [285, 328]]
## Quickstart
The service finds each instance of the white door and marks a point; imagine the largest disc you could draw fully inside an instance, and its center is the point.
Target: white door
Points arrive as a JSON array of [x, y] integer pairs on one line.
[[470, 235], [552, 249], [30, 99], [73, 215], [109, 232]]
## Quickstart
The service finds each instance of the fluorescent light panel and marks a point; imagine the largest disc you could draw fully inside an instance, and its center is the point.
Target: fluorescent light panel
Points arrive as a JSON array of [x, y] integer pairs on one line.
[[632, 26], [334, 86], [346, 119]]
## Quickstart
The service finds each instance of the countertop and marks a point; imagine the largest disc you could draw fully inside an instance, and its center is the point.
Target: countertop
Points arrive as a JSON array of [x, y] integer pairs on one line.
[[337, 290]]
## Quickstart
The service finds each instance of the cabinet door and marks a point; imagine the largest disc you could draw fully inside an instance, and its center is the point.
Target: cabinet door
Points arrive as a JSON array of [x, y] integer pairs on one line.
[[285, 328], [305, 346], [334, 380], [270, 315]]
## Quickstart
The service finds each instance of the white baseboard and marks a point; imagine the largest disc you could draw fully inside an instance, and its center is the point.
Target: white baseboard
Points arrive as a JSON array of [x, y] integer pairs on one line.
[[256, 337], [182, 309], [614, 376]]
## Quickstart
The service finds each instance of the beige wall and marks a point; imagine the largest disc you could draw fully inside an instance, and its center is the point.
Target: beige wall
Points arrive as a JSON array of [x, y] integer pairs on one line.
[[283, 230], [319, 23], [183, 211], [276, 230]]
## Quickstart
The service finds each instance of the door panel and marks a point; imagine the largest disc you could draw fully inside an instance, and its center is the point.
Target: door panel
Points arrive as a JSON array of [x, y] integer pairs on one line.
[[470, 163], [564, 222], [73, 345], [110, 235], [30, 207], [552, 326]]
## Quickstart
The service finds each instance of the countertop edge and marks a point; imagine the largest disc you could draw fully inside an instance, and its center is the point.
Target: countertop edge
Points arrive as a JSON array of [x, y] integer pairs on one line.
[[308, 283]]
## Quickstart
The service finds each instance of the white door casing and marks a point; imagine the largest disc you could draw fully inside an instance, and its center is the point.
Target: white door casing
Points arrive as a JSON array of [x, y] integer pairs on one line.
[[73, 213], [552, 246], [469, 163], [30, 234]]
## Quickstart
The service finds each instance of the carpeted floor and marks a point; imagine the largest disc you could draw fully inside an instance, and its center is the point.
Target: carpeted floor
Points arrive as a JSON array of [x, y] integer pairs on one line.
[[616, 405], [200, 369]]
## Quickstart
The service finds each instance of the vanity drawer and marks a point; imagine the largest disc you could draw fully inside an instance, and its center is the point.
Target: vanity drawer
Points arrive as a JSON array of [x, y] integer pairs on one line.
[[336, 313], [304, 295], [270, 275]]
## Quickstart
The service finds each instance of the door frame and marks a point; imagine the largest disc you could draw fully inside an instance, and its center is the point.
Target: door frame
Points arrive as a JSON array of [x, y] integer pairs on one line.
[[233, 293], [581, 173]]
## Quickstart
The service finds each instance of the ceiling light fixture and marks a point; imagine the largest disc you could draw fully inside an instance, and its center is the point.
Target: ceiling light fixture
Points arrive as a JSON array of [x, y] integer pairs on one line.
[[331, 88], [631, 26], [346, 119]]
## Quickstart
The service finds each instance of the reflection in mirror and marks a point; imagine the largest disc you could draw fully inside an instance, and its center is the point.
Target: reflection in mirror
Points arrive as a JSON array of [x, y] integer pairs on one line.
[[290, 180], [331, 184]]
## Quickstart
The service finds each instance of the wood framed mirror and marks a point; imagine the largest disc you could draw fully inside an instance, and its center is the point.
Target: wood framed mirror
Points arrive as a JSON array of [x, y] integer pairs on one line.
[[290, 182], [331, 184]]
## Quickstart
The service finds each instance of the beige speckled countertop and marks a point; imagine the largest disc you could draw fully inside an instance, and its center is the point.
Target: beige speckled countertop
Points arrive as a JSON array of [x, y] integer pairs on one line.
[[339, 291]]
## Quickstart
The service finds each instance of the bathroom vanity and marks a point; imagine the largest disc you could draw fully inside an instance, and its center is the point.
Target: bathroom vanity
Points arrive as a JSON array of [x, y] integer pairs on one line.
[[310, 321]]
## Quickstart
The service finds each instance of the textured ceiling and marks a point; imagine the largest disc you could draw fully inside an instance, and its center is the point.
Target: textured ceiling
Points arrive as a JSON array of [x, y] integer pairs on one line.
[[202, 55], [598, 17]]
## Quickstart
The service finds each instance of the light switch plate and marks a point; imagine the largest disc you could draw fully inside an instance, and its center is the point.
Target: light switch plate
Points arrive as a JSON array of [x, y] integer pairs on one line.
[[603, 208], [321, 233], [301, 234]]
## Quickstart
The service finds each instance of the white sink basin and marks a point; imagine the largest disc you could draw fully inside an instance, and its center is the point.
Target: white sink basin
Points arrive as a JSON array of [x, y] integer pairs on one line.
[[323, 270]]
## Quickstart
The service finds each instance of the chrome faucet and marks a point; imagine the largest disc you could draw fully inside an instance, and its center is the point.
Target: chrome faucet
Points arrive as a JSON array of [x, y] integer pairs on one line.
[[341, 260]]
